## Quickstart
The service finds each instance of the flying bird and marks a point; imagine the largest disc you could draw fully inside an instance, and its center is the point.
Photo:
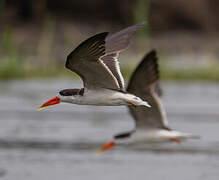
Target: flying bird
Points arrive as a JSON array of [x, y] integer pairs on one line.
[[96, 61], [151, 124]]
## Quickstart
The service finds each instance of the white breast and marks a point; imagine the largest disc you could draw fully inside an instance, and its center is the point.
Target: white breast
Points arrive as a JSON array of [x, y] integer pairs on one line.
[[102, 97]]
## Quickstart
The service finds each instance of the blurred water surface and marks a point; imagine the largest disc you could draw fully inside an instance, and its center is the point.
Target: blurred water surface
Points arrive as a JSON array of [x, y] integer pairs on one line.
[[60, 142]]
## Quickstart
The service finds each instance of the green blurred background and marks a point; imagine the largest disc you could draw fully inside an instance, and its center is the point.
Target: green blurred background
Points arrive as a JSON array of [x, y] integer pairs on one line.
[[37, 35]]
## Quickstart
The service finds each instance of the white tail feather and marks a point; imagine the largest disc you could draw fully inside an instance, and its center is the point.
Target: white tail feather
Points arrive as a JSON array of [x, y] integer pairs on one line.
[[144, 103]]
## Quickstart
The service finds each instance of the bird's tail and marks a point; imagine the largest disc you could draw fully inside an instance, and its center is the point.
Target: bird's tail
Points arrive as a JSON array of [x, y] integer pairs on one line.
[[185, 136], [179, 136], [145, 103]]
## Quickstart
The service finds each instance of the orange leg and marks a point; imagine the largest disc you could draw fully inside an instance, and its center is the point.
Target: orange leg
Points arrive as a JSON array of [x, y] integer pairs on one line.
[[131, 103], [176, 140]]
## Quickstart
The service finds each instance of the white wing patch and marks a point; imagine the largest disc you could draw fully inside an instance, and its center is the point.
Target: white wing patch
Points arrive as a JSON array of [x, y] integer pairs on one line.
[[106, 67], [112, 64], [160, 108], [118, 70]]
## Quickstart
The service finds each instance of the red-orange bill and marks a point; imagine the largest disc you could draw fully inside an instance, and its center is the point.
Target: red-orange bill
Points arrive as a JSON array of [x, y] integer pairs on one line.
[[106, 147], [53, 101]]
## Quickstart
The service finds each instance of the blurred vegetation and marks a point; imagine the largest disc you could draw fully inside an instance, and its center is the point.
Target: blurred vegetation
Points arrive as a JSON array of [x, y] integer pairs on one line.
[[38, 48], [11, 64], [210, 73], [141, 11], [15, 64], [199, 73], [2, 2]]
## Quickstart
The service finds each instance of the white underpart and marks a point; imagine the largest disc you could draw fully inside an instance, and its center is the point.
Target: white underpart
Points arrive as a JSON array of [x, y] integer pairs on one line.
[[159, 135], [104, 97]]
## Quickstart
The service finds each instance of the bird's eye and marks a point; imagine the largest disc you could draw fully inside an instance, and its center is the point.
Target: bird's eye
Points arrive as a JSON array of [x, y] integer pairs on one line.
[[135, 98]]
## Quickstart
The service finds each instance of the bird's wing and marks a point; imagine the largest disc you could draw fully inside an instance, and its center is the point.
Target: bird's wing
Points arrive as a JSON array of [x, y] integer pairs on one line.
[[143, 83], [111, 61], [119, 41], [95, 59]]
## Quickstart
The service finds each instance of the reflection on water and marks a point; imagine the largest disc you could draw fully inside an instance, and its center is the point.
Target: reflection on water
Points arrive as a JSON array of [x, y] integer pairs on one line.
[[61, 141]]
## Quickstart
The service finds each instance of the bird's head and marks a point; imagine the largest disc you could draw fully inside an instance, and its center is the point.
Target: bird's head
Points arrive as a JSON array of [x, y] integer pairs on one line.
[[65, 95], [118, 139]]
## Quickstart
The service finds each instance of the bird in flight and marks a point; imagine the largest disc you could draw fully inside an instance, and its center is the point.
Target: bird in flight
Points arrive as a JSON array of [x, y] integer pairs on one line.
[[151, 124], [96, 61]]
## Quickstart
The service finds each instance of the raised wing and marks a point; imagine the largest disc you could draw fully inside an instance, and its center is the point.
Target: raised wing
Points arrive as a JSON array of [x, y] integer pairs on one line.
[[120, 41], [111, 61], [84, 60], [95, 60], [143, 83]]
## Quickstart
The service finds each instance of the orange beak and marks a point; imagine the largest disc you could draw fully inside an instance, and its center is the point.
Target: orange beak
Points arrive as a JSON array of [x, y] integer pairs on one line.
[[53, 101], [106, 147]]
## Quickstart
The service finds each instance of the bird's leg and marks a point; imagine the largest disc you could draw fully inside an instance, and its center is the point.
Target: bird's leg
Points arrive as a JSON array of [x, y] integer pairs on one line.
[[175, 139], [131, 103]]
